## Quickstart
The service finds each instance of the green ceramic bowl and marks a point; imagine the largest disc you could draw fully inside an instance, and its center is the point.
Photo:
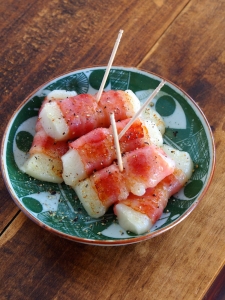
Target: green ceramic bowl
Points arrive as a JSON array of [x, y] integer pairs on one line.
[[56, 207]]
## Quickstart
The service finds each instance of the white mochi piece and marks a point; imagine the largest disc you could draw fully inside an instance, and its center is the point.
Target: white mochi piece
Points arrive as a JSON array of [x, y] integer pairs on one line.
[[182, 160], [132, 220], [60, 94], [133, 105], [52, 121], [137, 189], [154, 132], [89, 199], [43, 167], [73, 168], [152, 115]]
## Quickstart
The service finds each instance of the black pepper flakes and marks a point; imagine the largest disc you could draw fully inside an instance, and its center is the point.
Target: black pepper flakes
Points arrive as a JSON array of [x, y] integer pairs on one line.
[[75, 219], [175, 133]]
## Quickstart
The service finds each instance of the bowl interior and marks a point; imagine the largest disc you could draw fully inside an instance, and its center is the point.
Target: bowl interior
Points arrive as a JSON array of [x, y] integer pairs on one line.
[[56, 206]]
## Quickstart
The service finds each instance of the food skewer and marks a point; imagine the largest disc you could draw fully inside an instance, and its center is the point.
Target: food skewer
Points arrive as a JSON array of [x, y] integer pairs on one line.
[[116, 142], [109, 65], [155, 92]]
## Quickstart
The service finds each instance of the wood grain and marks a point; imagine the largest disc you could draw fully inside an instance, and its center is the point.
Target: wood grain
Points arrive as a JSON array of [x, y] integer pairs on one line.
[[217, 287], [180, 40]]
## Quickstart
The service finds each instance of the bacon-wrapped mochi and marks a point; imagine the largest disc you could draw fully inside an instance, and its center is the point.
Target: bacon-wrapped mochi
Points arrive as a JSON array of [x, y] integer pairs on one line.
[[138, 214], [143, 168], [44, 162], [74, 116], [95, 150]]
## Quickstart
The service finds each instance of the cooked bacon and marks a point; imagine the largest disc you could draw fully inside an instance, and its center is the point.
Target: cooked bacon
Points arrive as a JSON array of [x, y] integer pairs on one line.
[[96, 150], [119, 102], [139, 214], [72, 117], [47, 151], [146, 167], [109, 185], [42, 143], [155, 199], [81, 114], [53, 96], [44, 162]]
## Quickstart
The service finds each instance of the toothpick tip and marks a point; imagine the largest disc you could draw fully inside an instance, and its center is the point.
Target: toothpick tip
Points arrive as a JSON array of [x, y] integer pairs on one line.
[[109, 66]]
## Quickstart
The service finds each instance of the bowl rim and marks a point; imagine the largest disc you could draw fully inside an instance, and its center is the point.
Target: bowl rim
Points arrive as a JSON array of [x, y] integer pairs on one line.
[[108, 242]]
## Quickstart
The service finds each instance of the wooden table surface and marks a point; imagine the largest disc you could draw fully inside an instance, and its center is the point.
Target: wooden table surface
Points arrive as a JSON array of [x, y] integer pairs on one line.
[[181, 40]]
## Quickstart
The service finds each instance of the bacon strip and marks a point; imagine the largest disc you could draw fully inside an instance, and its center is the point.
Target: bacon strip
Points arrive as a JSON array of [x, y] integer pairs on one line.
[[109, 185], [155, 199], [139, 213], [74, 116], [45, 162], [42, 143], [96, 150]]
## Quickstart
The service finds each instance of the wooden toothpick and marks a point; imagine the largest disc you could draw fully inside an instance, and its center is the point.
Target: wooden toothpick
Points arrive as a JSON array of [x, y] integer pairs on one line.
[[109, 65], [116, 142], [155, 92]]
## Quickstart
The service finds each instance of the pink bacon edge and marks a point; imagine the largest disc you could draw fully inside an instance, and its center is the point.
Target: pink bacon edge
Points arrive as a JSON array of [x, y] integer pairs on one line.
[[148, 208], [72, 117], [44, 162], [139, 213], [95, 150], [143, 168]]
